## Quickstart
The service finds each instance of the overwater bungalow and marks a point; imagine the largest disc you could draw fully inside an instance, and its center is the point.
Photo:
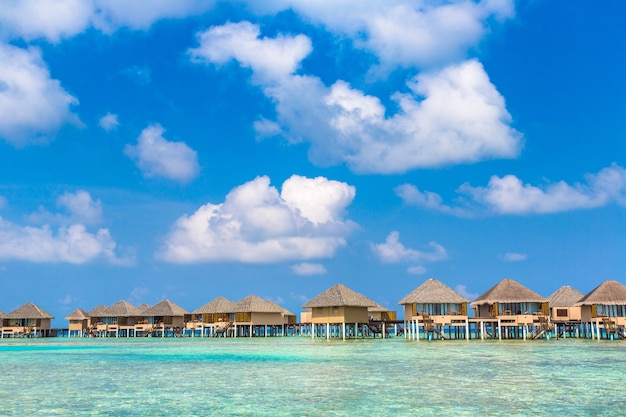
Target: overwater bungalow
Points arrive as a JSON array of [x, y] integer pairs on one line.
[[26, 321], [1, 321], [433, 307], [339, 312], [167, 318], [564, 313], [510, 310], [255, 316], [119, 319], [214, 318], [78, 323], [289, 319], [605, 306]]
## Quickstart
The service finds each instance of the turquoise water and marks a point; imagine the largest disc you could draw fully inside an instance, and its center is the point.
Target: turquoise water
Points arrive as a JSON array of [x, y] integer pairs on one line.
[[298, 377]]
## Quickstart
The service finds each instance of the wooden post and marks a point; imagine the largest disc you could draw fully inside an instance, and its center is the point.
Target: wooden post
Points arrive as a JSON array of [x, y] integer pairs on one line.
[[344, 330], [327, 331], [499, 330], [467, 332]]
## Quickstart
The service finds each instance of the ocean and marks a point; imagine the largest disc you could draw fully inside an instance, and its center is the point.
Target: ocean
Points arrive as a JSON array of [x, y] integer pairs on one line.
[[294, 376]]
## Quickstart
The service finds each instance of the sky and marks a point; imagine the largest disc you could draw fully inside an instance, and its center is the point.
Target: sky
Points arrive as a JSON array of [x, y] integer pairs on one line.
[[200, 148]]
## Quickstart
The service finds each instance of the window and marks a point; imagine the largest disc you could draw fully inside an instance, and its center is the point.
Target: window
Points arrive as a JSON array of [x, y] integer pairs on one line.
[[561, 312]]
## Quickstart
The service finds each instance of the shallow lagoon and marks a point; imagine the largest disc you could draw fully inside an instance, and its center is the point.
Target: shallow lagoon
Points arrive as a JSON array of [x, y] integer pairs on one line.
[[297, 377]]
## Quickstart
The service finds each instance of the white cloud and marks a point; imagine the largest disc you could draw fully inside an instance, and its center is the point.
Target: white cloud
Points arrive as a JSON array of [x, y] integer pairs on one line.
[[68, 299], [306, 268], [393, 251], [416, 270], [54, 20], [109, 122], [33, 106], [269, 58], [81, 208], [256, 224], [509, 195], [462, 289], [514, 257], [49, 19], [70, 244], [454, 115], [157, 157], [402, 32]]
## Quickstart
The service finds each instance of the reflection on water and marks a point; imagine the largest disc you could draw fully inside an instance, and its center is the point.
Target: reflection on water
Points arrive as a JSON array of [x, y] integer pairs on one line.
[[298, 377]]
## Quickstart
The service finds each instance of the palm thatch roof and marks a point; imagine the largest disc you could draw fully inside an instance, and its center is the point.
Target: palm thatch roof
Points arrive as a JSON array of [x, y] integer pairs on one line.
[[165, 308], [219, 305], [433, 291], [610, 292], [340, 296], [378, 309], [2, 315], [508, 291], [565, 296], [255, 304], [143, 307], [121, 309], [98, 311], [29, 311], [283, 309], [78, 314]]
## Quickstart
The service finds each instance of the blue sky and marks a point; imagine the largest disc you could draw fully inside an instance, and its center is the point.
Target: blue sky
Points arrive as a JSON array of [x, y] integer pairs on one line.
[[192, 149]]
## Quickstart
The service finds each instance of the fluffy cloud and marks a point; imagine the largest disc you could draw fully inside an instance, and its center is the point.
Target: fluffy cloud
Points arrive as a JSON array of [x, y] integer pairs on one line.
[[306, 268], [416, 270], [33, 106], [257, 224], [59, 19], [81, 208], [453, 115], [402, 32], [157, 157], [109, 122], [270, 58], [509, 195], [72, 244], [393, 251]]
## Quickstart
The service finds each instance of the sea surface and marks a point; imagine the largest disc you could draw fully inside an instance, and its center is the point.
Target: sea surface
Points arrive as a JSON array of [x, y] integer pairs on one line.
[[295, 376]]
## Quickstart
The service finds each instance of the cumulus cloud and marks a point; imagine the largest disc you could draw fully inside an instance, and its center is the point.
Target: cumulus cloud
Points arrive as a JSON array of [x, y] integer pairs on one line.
[[109, 122], [69, 244], [402, 32], [514, 257], [79, 207], [257, 224], [55, 20], [453, 115], [393, 251], [306, 268], [509, 195], [157, 157], [33, 106]]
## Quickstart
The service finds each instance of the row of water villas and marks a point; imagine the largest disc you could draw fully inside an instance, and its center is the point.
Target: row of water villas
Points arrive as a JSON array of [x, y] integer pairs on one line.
[[433, 310]]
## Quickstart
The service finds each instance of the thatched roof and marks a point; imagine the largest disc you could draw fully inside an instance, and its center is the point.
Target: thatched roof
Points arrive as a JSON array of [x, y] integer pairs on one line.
[[610, 292], [433, 291], [29, 311], [508, 291], [143, 307], [219, 305], [378, 309], [121, 309], [255, 304], [98, 311], [78, 314], [340, 296], [2, 315], [283, 309], [565, 296], [165, 308]]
